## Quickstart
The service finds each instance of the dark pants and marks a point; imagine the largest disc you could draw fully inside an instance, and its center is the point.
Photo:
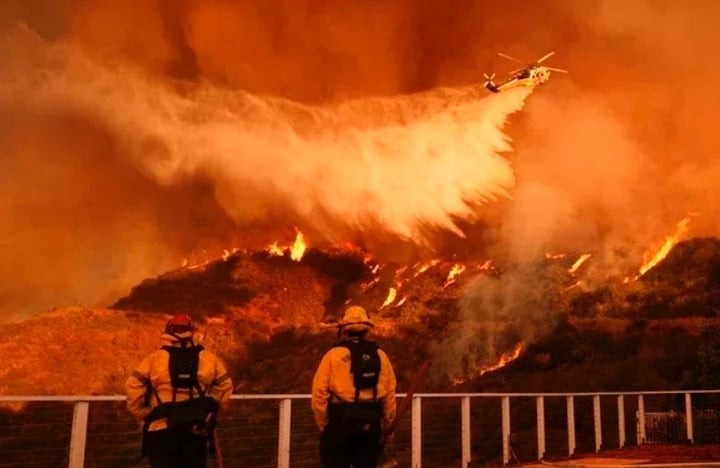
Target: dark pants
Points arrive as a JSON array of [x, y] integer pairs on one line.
[[338, 450], [176, 448]]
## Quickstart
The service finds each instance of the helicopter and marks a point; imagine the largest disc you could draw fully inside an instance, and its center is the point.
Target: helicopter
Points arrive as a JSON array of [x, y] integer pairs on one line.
[[529, 75]]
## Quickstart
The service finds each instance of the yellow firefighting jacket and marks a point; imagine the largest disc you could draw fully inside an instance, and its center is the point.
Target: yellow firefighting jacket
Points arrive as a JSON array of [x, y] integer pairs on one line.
[[333, 382], [154, 371]]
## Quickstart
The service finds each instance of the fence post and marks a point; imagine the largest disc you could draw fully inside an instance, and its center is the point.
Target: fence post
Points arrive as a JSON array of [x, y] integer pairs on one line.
[[570, 401], [598, 422], [641, 420], [78, 436], [416, 461], [621, 420], [284, 427], [465, 427], [505, 406], [689, 417], [540, 412]]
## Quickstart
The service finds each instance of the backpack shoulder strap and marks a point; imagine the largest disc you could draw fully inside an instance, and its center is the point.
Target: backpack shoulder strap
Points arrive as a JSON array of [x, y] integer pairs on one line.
[[199, 388], [373, 347]]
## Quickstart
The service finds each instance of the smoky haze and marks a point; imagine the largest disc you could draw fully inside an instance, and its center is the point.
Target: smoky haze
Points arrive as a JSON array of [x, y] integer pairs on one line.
[[103, 108]]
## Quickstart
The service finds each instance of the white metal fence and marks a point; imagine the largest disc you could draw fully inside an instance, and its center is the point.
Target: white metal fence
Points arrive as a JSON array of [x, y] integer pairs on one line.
[[447, 429]]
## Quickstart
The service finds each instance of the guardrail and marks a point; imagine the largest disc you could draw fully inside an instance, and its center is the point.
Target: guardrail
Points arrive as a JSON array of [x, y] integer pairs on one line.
[[622, 401]]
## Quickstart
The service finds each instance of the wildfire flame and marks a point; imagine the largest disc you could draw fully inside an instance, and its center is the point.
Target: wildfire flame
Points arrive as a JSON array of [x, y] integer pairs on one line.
[[392, 294], [579, 262], [505, 359], [680, 230], [229, 253], [486, 266], [554, 256], [425, 267], [274, 250], [296, 250], [456, 270]]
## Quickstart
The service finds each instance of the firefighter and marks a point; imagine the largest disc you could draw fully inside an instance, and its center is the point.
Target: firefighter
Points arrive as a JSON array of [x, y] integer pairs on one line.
[[353, 396], [176, 393]]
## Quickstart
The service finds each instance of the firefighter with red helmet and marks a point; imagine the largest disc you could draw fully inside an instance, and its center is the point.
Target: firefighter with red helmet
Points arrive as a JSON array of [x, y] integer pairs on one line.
[[176, 392]]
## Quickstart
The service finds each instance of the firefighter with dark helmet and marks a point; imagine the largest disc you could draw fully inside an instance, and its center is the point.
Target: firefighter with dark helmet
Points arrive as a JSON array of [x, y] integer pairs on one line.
[[353, 396], [176, 392]]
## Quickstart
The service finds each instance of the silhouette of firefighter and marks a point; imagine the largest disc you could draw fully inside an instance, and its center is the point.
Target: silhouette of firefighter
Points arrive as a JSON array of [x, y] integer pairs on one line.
[[353, 396]]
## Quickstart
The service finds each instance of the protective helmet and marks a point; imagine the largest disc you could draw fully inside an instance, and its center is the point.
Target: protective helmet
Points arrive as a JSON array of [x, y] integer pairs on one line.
[[355, 318], [180, 325]]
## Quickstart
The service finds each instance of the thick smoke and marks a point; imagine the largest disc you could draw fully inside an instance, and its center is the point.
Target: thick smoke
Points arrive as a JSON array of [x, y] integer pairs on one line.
[[607, 158], [394, 164], [498, 314]]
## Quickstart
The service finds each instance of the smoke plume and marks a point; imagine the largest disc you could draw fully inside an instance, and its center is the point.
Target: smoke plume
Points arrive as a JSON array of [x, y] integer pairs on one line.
[[394, 164]]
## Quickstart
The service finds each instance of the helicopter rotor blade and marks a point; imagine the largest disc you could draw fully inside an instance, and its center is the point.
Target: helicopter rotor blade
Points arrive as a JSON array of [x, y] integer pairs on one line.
[[510, 58], [545, 57], [559, 70], [516, 71]]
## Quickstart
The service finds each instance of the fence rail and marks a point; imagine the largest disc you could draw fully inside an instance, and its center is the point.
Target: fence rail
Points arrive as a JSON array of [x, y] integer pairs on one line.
[[442, 446]]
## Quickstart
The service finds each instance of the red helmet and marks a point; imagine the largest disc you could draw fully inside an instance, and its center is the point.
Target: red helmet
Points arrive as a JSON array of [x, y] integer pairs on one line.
[[181, 323]]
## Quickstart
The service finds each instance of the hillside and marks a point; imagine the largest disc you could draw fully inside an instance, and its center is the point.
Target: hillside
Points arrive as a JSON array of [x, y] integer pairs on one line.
[[270, 318], [265, 314]]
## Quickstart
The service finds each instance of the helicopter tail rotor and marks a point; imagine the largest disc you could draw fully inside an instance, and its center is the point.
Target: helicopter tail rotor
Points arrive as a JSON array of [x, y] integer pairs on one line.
[[489, 79]]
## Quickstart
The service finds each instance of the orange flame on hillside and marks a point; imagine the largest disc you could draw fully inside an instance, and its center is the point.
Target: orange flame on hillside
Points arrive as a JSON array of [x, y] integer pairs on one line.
[[680, 231], [456, 270], [425, 267], [505, 359], [274, 250], [554, 256], [296, 250], [392, 294], [579, 262], [487, 266]]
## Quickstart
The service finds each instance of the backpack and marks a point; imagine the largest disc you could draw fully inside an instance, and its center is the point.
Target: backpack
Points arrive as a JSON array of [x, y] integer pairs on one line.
[[364, 365], [198, 410], [361, 417], [183, 366]]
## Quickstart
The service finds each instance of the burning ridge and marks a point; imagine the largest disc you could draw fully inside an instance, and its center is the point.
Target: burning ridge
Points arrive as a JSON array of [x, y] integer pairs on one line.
[[475, 319], [481, 314]]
